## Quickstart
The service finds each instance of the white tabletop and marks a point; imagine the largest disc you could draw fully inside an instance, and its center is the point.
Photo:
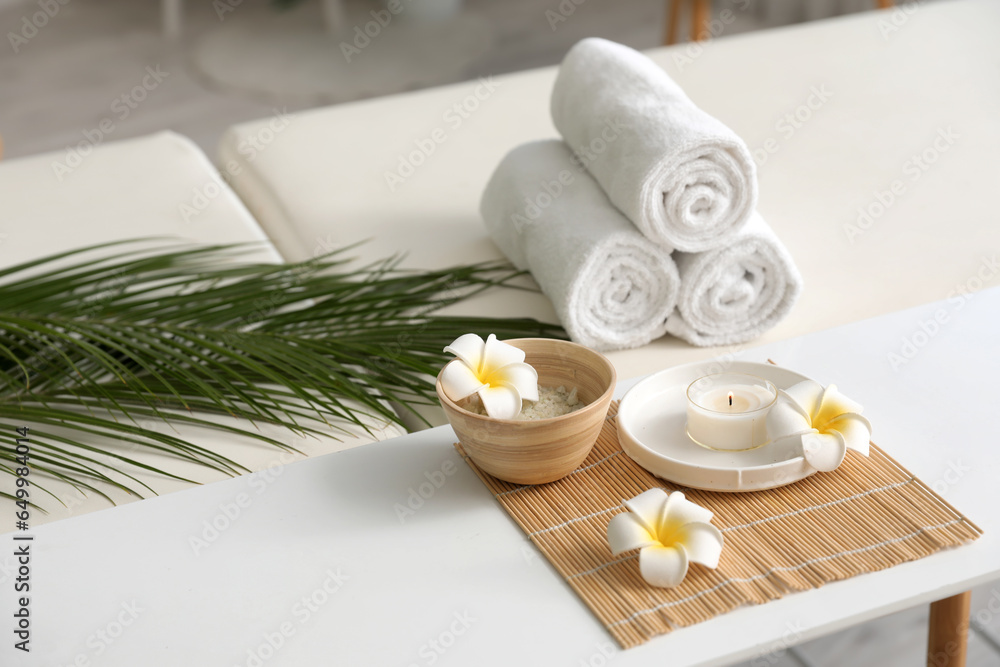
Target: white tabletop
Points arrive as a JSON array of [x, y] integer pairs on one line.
[[318, 550]]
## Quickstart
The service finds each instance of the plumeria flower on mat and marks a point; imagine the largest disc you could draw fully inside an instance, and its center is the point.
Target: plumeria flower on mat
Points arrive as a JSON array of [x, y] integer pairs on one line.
[[494, 370], [825, 421], [671, 531]]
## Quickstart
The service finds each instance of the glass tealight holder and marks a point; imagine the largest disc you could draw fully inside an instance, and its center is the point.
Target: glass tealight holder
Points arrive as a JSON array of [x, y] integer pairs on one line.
[[728, 411]]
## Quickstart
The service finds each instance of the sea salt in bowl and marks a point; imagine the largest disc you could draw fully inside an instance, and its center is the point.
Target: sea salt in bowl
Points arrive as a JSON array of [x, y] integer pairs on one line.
[[540, 450]]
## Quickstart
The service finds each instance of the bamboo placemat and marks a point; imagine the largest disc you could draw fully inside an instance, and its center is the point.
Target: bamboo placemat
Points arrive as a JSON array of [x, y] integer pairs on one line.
[[868, 515]]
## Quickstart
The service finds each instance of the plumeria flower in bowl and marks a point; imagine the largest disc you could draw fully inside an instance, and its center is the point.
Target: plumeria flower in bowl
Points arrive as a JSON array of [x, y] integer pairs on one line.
[[821, 421], [505, 376], [493, 370]]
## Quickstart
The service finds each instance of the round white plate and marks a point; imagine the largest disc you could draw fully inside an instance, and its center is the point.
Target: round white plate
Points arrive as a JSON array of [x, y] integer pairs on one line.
[[651, 429]]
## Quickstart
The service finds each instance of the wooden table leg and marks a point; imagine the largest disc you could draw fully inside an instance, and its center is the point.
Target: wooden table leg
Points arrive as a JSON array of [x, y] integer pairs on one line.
[[673, 18], [700, 14], [948, 631]]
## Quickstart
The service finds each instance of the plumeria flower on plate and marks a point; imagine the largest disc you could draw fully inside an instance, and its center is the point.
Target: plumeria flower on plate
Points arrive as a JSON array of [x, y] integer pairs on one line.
[[671, 532], [492, 369], [825, 421]]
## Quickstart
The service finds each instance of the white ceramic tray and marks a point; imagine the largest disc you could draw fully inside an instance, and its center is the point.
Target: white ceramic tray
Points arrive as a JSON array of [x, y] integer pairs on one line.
[[651, 429]]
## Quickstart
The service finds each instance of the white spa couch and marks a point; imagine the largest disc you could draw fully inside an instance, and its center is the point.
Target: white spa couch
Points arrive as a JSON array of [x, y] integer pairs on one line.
[[876, 135]]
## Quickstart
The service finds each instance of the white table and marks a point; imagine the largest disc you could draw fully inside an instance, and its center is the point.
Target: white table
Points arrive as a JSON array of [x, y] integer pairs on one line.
[[317, 549]]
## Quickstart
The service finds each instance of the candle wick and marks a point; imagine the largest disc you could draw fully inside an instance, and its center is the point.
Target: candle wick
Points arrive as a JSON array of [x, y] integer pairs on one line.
[[730, 399]]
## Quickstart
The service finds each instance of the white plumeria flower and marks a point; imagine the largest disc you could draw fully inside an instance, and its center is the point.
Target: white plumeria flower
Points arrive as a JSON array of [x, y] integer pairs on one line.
[[671, 531], [494, 370], [825, 422]]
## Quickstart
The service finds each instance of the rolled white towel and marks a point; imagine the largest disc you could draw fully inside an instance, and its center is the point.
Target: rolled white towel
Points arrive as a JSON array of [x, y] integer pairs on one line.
[[685, 179], [611, 288], [737, 292]]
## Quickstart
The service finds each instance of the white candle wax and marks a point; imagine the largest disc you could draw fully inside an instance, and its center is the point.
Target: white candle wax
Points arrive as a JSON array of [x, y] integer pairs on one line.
[[729, 411]]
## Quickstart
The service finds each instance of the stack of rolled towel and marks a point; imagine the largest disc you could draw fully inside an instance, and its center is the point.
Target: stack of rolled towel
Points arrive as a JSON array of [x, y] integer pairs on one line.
[[642, 221]]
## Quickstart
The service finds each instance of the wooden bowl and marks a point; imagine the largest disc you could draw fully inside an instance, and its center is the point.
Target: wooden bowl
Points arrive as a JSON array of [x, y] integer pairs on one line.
[[540, 450]]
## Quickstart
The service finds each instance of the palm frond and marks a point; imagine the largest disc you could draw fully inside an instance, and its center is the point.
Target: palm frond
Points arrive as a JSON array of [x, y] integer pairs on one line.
[[95, 340]]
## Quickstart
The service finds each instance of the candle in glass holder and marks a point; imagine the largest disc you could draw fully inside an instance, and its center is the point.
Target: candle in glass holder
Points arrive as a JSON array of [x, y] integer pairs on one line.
[[728, 411]]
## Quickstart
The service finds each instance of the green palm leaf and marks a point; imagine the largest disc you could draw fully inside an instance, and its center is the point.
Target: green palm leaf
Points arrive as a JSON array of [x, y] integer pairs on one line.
[[96, 340]]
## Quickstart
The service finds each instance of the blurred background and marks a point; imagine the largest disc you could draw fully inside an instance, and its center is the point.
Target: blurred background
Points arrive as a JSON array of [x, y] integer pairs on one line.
[[69, 64]]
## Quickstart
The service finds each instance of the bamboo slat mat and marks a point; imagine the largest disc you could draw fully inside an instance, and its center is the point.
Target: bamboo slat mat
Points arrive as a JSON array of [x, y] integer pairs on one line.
[[868, 515]]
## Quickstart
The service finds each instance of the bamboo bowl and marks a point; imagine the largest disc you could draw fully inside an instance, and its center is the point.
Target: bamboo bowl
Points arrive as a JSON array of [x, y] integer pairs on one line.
[[540, 450]]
